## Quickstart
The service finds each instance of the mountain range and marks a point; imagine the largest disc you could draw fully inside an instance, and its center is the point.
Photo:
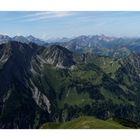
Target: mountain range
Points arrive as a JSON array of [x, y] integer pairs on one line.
[[22, 39], [102, 45], [98, 44], [48, 85]]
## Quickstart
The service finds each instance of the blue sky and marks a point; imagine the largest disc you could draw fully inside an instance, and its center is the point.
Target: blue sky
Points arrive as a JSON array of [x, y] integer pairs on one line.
[[53, 24]]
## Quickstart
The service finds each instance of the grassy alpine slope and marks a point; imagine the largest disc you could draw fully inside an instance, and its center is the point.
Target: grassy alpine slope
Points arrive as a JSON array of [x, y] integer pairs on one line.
[[85, 123]]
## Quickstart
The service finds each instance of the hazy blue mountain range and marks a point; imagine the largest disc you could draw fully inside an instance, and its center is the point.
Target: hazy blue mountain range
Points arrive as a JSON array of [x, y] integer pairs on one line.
[[102, 45], [98, 44], [22, 39]]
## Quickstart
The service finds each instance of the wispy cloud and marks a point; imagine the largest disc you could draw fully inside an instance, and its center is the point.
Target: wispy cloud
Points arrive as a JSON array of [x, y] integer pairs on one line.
[[46, 15], [37, 16]]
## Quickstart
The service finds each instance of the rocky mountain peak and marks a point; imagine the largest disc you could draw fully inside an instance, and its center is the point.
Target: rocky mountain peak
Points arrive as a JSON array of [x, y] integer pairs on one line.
[[59, 56], [21, 39]]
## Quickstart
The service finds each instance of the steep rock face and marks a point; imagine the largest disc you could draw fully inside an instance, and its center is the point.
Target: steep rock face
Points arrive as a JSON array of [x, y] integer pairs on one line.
[[5, 53], [17, 60], [18, 92], [40, 99], [59, 56]]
